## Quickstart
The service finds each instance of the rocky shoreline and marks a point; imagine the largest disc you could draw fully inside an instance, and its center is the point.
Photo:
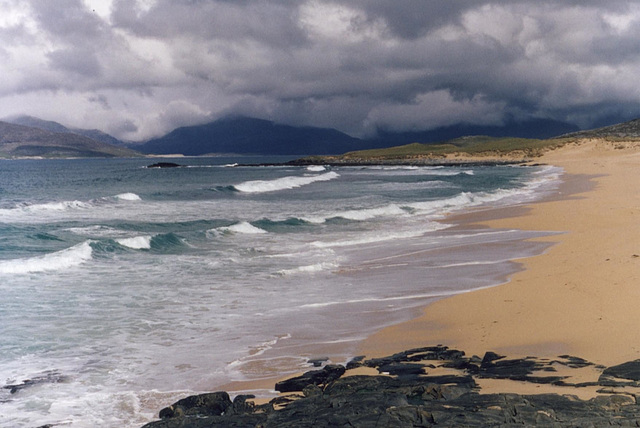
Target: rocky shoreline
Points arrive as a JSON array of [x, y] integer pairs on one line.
[[425, 387]]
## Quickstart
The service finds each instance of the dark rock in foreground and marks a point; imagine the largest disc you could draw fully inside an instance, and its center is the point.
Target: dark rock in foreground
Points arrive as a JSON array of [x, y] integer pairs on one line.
[[329, 373], [407, 395], [47, 377]]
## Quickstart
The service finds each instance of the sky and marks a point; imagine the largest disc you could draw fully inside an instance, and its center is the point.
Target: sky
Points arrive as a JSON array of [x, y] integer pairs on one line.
[[140, 68]]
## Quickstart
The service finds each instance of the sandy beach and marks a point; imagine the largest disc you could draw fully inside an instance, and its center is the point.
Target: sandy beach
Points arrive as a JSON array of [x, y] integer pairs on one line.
[[580, 297], [567, 324]]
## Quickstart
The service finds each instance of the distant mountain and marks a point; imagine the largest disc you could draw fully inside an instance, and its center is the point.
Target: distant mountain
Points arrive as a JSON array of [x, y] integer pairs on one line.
[[629, 129], [19, 141], [244, 135], [534, 128], [49, 125]]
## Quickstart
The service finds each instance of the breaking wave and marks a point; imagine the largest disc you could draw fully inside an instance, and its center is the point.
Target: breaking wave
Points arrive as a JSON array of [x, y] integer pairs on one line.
[[284, 183], [242, 227], [136, 243], [128, 197], [60, 260]]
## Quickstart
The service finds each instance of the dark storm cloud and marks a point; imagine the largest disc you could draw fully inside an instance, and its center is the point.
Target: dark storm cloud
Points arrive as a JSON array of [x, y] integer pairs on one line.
[[272, 22], [413, 18], [357, 65]]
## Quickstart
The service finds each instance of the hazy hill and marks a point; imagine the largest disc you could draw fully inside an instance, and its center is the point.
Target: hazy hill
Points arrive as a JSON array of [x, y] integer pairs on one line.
[[533, 128], [49, 125], [20, 141], [243, 135], [629, 129]]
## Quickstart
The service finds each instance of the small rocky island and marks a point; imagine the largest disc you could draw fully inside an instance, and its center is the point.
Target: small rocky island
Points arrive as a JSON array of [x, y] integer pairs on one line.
[[428, 387], [164, 165]]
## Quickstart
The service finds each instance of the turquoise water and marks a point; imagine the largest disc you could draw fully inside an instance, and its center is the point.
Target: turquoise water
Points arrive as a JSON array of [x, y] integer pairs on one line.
[[124, 288]]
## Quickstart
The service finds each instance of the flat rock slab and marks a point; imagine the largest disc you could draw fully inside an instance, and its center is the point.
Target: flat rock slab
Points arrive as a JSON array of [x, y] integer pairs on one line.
[[408, 395]]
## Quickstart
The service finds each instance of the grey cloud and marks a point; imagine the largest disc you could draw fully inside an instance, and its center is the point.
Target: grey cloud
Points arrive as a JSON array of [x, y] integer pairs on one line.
[[266, 22], [350, 64], [414, 18], [76, 61], [102, 101], [68, 20]]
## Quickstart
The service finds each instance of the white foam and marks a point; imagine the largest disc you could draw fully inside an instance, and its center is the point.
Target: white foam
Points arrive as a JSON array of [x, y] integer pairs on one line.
[[383, 299], [56, 206], [319, 267], [369, 213], [391, 210], [128, 197], [57, 261], [284, 183], [444, 172], [98, 231], [259, 350], [378, 237], [316, 168], [136, 243], [243, 227]]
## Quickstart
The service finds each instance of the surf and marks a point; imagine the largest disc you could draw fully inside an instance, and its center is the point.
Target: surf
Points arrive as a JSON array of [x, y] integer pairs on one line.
[[53, 262], [284, 183]]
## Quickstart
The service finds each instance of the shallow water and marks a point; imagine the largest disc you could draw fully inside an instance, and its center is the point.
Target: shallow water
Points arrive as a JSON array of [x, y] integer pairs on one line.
[[124, 288]]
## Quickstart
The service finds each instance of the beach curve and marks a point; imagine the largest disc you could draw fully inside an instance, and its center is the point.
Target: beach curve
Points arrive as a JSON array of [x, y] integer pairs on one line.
[[579, 297]]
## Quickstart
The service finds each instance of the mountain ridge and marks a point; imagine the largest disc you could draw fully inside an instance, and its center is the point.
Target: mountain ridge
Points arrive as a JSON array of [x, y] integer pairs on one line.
[[50, 125], [629, 129], [26, 141], [244, 135]]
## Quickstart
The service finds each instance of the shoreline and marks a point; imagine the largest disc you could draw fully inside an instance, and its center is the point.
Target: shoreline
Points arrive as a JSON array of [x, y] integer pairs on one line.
[[578, 297], [457, 222], [448, 328], [576, 301]]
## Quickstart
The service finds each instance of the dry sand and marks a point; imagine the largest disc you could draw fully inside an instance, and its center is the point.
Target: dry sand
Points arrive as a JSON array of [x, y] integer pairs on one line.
[[582, 297]]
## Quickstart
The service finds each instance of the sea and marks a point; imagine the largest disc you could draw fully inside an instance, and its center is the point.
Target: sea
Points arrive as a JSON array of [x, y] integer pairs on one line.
[[125, 288]]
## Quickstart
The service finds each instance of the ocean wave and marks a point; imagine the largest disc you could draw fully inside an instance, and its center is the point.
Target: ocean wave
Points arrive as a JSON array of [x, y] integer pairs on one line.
[[51, 207], [448, 173], [379, 237], [259, 350], [242, 227], [60, 260], [136, 243], [316, 168], [319, 267], [128, 197], [63, 206], [388, 299], [167, 243], [422, 170], [526, 193], [391, 210], [97, 231], [284, 183], [268, 224]]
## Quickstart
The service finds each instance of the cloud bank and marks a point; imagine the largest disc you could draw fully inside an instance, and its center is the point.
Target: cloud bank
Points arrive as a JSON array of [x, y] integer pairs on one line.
[[139, 68]]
